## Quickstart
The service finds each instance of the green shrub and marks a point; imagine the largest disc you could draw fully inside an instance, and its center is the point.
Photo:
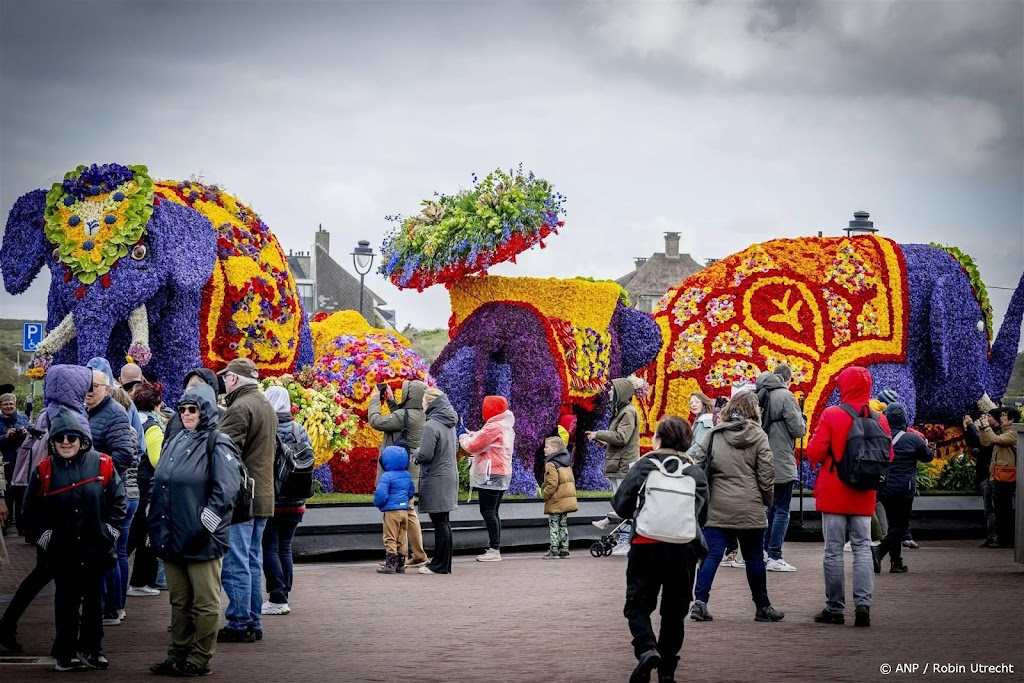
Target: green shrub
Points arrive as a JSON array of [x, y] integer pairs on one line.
[[958, 475], [925, 478]]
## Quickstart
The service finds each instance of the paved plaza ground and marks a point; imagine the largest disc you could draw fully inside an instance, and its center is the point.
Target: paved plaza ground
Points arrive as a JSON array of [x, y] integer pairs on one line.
[[525, 619]]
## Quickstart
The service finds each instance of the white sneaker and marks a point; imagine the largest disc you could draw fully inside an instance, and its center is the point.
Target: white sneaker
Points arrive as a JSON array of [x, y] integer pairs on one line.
[[273, 608], [621, 549], [426, 570], [122, 615], [142, 591], [848, 548], [602, 523], [764, 556], [111, 621], [734, 560], [779, 565], [489, 555]]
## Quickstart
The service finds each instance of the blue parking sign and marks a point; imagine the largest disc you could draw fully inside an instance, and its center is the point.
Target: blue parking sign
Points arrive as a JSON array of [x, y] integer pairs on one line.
[[32, 335]]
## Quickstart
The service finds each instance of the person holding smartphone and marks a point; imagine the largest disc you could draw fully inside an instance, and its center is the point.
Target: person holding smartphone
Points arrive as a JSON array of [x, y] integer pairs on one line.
[[406, 416]]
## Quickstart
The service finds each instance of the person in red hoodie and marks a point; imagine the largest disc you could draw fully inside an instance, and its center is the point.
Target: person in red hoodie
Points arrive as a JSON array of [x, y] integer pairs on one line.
[[845, 511], [491, 471]]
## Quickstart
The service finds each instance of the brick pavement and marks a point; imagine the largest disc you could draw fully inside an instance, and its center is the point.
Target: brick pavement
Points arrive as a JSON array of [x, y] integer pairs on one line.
[[525, 619]]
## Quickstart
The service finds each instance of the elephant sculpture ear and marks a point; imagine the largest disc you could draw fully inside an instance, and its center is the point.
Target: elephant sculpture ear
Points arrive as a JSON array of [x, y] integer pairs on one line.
[[24, 249], [939, 326]]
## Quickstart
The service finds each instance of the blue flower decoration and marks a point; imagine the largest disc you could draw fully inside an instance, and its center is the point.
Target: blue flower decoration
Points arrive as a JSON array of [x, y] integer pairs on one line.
[[88, 245], [69, 200], [109, 219], [119, 196], [74, 220]]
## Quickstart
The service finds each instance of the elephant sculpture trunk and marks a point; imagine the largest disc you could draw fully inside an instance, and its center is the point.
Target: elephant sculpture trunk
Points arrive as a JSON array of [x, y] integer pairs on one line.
[[1004, 349], [60, 336]]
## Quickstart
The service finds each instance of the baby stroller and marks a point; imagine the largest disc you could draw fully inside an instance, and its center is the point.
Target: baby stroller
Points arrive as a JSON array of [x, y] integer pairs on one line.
[[608, 541]]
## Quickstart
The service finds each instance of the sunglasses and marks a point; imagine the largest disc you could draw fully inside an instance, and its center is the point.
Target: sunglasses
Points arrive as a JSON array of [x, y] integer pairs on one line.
[[188, 410], [66, 438]]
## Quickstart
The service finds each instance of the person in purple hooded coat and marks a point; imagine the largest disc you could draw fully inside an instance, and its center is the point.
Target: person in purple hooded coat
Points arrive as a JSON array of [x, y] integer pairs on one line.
[[65, 387]]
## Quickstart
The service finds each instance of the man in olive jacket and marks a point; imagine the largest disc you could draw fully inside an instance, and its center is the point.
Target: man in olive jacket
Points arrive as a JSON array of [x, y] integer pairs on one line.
[[405, 416], [249, 421]]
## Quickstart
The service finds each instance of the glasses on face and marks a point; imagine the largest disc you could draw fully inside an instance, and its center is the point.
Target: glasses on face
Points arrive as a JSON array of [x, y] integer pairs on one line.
[[66, 438], [188, 410], [97, 387]]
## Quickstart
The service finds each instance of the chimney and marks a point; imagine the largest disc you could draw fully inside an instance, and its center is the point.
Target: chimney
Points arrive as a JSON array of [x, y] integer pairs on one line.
[[323, 239], [672, 245], [640, 260]]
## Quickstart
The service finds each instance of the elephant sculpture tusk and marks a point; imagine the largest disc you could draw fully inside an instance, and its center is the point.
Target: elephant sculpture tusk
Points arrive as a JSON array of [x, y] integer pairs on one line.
[[138, 325], [58, 337]]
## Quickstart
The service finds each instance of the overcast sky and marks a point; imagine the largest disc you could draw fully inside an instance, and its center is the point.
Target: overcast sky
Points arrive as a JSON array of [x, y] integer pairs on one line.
[[731, 123]]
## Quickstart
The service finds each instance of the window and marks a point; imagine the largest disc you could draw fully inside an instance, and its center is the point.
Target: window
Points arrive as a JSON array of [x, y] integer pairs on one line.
[[306, 294]]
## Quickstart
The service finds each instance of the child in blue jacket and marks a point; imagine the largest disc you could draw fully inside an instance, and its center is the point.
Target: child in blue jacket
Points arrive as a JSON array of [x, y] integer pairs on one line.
[[393, 497]]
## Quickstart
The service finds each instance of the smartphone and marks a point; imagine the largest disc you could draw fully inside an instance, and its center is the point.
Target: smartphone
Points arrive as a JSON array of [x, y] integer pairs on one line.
[[382, 388]]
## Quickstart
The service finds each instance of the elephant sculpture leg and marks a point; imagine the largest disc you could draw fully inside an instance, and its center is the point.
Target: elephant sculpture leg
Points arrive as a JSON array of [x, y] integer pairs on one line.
[[175, 344]]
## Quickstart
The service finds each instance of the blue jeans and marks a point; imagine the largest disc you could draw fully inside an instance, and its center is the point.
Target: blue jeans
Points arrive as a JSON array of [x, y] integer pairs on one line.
[[277, 555], [778, 520], [242, 574], [836, 528], [115, 580], [750, 546]]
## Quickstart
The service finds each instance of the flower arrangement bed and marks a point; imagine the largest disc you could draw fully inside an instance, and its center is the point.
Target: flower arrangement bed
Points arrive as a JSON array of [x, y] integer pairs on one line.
[[354, 357], [457, 235]]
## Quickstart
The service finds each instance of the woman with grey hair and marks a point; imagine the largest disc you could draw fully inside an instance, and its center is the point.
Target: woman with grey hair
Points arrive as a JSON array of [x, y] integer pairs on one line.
[[439, 477]]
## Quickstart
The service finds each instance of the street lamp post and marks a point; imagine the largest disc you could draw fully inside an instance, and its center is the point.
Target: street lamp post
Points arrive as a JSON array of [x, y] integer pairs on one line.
[[362, 259]]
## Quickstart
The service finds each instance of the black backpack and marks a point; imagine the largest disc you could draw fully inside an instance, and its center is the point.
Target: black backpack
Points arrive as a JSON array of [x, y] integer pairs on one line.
[[241, 511], [865, 463], [293, 468]]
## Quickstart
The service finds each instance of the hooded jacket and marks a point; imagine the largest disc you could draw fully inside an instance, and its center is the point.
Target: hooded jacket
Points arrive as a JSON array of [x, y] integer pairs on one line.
[[628, 499], [439, 476], [408, 412], [910, 448], [193, 495], [65, 387], [832, 495], [622, 438], [395, 489], [210, 378], [740, 472], [559, 490], [492, 446], [785, 424], [78, 527], [252, 425]]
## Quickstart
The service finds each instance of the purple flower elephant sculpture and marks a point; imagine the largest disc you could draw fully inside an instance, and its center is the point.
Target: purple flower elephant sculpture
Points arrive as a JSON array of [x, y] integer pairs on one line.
[[173, 275]]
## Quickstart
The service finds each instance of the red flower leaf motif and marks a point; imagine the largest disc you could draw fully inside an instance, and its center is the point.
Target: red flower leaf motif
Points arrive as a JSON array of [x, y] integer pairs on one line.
[[80, 292], [67, 274], [105, 280], [156, 201]]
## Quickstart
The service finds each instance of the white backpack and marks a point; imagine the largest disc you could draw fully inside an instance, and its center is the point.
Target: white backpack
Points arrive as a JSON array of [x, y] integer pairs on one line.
[[669, 511]]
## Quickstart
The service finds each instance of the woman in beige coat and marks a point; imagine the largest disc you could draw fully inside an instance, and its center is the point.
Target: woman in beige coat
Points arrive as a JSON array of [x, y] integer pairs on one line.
[[741, 481]]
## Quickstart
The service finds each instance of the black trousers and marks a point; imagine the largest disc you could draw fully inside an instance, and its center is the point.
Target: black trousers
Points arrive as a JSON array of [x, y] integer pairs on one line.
[[145, 569], [441, 563], [670, 569], [78, 587], [490, 501], [28, 589], [897, 512], [1005, 522]]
